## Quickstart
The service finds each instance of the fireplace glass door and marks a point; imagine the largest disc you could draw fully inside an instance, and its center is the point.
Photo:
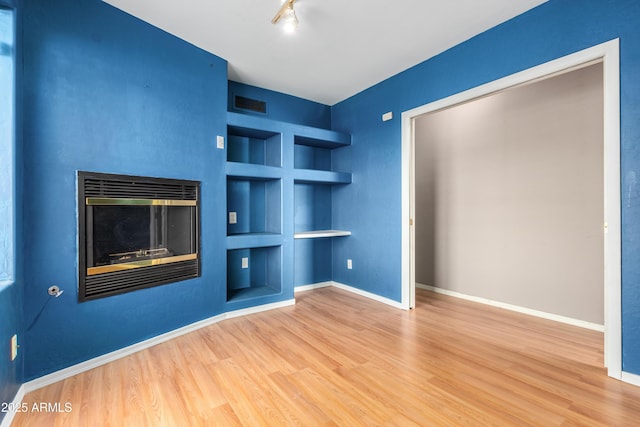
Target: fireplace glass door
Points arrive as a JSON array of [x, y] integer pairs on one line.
[[130, 233]]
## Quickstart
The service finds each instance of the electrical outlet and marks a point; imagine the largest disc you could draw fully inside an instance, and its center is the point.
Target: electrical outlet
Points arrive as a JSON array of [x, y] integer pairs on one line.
[[245, 262], [349, 264], [14, 347], [233, 217], [220, 142]]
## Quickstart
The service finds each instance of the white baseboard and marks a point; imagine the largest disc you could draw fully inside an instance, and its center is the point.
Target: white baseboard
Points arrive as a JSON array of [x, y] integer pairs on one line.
[[630, 378], [516, 308], [17, 400], [259, 308], [369, 295], [312, 286], [126, 351], [351, 289]]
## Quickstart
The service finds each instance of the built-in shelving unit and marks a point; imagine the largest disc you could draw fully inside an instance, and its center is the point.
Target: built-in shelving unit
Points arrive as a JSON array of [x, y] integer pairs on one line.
[[280, 182], [315, 173], [254, 210]]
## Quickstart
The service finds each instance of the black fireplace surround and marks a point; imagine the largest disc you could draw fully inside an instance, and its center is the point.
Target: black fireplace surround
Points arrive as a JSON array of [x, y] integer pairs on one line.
[[135, 232]]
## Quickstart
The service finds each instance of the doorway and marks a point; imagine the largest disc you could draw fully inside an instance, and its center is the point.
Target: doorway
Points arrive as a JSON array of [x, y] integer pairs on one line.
[[607, 55]]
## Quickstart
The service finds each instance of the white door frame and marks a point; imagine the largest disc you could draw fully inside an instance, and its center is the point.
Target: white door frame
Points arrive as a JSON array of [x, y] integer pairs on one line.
[[608, 54]]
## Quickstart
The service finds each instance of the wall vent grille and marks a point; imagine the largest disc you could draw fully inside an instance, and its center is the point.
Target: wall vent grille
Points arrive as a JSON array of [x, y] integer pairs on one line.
[[111, 187], [248, 104], [107, 284]]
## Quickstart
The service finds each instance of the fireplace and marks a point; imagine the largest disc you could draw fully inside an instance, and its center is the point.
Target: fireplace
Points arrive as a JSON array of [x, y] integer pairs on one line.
[[135, 232]]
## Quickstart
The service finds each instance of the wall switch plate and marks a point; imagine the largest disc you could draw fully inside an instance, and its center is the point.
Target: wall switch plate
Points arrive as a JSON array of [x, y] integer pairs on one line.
[[14, 347], [233, 217], [245, 262], [349, 264], [220, 142], [387, 116]]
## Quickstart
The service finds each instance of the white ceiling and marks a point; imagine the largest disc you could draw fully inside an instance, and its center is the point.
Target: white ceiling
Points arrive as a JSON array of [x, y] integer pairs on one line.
[[340, 48]]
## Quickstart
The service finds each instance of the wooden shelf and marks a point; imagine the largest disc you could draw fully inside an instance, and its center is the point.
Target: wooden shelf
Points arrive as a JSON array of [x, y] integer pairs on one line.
[[318, 234]]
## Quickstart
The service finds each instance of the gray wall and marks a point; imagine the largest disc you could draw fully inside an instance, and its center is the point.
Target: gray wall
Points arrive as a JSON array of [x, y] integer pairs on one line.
[[509, 196]]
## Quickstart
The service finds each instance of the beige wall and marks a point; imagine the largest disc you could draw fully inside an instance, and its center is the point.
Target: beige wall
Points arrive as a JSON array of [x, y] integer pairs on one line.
[[509, 196]]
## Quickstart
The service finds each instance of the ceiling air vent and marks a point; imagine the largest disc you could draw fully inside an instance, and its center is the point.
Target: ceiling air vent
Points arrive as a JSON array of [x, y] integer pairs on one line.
[[242, 103]]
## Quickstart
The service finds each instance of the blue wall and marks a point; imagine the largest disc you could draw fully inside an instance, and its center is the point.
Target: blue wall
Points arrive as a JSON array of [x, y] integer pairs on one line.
[[552, 30], [11, 307], [282, 107], [106, 92], [10, 323]]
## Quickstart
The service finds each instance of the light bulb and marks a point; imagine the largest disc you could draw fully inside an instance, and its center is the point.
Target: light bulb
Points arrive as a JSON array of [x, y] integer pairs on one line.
[[290, 21]]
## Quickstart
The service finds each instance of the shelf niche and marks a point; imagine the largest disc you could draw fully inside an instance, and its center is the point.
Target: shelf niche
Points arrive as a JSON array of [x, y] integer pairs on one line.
[[252, 146], [313, 233], [312, 207], [312, 261], [261, 276], [312, 154], [315, 158], [257, 204]]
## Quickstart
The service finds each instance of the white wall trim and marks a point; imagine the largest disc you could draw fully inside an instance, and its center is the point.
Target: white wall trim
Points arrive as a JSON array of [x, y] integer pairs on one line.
[[17, 400], [312, 286], [351, 289], [609, 54], [516, 308], [407, 185], [630, 378], [259, 308], [369, 295], [65, 373]]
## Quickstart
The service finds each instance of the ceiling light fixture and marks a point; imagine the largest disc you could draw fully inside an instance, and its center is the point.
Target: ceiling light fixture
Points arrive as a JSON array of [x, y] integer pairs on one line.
[[288, 17]]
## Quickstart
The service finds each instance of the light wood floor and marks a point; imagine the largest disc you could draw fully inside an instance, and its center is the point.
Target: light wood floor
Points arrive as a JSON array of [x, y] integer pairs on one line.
[[339, 359]]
